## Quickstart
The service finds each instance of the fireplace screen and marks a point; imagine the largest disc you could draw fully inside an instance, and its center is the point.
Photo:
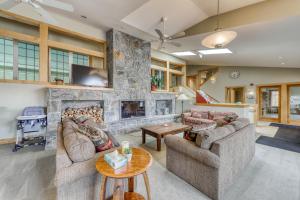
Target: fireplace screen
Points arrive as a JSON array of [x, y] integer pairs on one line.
[[132, 109]]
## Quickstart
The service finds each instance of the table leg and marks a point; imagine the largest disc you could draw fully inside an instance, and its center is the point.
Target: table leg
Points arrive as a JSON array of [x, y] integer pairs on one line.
[[118, 190], [103, 187], [144, 136], [131, 184], [158, 143], [146, 180]]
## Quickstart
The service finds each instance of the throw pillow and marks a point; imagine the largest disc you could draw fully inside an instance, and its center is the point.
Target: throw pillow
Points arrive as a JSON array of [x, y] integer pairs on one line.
[[79, 147], [231, 117], [196, 114], [206, 138], [191, 136], [97, 136], [221, 122]]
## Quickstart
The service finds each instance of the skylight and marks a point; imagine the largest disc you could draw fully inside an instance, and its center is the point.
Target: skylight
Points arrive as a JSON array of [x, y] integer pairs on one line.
[[215, 51], [184, 53]]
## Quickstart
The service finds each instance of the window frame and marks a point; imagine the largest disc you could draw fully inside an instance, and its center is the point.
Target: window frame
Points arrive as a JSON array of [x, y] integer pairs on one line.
[[15, 60]]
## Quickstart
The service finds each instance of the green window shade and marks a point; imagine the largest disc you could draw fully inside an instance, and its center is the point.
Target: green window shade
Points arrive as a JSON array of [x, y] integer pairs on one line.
[[6, 59], [28, 61], [59, 65], [80, 59]]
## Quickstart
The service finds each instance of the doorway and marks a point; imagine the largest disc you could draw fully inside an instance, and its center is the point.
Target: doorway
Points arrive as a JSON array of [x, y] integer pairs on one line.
[[235, 95], [269, 103], [293, 104]]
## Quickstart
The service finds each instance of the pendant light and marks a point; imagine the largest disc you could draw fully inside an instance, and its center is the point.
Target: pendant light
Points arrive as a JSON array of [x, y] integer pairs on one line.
[[219, 38]]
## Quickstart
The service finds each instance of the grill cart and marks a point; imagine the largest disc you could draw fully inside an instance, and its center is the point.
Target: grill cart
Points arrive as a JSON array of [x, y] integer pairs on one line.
[[31, 128]]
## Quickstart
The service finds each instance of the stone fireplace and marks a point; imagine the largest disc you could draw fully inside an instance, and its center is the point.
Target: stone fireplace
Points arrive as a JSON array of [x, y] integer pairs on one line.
[[132, 108], [128, 61]]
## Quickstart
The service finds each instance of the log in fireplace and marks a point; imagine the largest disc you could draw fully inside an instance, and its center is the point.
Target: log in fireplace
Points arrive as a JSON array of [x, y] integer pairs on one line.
[[134, 108]]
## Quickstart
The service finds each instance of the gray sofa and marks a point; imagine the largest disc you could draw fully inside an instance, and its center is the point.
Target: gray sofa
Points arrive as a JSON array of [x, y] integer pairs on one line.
[[77, 180], [212, 169]]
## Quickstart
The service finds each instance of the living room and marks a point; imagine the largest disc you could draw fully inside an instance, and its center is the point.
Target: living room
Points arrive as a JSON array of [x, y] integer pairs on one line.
[[173, 99]]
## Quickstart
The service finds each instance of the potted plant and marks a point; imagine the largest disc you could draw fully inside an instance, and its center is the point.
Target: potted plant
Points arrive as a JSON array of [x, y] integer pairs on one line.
[[59, 81], [154, 82]]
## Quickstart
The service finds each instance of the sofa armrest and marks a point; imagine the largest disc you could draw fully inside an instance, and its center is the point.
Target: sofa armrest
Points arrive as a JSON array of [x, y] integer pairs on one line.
[[78, 170], [195, 120], [189, 149]]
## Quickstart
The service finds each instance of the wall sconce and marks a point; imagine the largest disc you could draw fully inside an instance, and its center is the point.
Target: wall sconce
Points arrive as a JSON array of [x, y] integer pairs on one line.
[[213, 79]]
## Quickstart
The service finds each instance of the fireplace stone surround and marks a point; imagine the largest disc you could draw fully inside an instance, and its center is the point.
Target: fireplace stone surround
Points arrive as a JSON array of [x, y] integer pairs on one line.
[[128, 61]]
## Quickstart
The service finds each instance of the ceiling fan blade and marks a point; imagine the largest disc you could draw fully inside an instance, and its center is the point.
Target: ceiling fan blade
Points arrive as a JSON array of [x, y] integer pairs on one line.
[[161, 45], [176, 44], [161, 36], [8, 4], [45, 14], [177, 36], [57, 4]]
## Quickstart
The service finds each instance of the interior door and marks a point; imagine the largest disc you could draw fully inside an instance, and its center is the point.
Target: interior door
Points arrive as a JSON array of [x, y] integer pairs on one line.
[[294, 104], [270, 103]]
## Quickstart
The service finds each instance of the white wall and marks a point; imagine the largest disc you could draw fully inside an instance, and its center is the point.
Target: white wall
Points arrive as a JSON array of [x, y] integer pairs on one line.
[[62, 21], [255, 75], [165, 56], [14, 97]]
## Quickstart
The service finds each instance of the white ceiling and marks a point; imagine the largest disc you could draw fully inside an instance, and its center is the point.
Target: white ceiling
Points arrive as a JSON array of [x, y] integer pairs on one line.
[[265, 44], [141, 17]]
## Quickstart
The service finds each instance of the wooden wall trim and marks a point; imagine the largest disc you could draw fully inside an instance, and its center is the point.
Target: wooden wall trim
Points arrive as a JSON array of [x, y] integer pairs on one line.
[[8, 141], [19, 36], [68, 47], [44, 52]]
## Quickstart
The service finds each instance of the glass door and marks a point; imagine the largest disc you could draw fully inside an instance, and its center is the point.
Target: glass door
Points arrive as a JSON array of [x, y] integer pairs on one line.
[[269, 103], [294, 104]]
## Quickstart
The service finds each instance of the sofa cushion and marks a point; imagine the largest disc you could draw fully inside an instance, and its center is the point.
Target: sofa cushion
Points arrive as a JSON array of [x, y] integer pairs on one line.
[[228, 116], [240, 123], [200, 114], [79, 147], [206, 138]]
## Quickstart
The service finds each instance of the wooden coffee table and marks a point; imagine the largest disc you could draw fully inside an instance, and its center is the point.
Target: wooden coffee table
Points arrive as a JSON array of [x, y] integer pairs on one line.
[[141, 160], [159, 131]]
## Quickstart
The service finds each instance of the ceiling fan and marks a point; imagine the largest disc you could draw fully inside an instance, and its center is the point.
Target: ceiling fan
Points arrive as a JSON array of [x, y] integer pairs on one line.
[[38, 7], [163, 38]]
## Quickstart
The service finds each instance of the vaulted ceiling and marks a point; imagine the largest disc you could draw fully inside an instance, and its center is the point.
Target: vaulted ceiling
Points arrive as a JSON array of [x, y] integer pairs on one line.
[[267, 30]]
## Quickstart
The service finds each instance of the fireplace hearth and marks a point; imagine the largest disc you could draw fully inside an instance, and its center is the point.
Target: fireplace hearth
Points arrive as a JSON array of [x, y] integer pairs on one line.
[[131, 109]]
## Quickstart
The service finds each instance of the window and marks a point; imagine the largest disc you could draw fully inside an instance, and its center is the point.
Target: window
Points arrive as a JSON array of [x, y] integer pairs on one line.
[[26, 64], [274, 98], [6, 58], [61, 61], [28, 61], [59, 65], [80, 59]]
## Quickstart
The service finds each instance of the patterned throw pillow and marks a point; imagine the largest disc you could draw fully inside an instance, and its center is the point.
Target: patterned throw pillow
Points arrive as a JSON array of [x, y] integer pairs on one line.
[[231, 117], [97, 136], [191, 136]]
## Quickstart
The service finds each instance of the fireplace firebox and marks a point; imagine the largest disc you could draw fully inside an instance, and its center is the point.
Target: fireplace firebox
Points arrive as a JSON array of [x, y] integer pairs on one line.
[[131, 109]]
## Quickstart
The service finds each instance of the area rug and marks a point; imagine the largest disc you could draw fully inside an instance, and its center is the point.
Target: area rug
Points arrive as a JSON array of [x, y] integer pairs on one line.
[[287, 137]]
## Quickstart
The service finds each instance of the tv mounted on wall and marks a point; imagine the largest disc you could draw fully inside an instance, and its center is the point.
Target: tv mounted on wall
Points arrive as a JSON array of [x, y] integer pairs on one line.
[[89, 76]]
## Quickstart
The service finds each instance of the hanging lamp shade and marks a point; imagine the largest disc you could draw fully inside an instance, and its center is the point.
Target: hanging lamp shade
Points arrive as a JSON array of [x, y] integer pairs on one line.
[[219, 39]]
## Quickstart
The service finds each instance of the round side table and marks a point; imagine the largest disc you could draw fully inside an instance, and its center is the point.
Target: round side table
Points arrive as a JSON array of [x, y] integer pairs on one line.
[[141, 160]]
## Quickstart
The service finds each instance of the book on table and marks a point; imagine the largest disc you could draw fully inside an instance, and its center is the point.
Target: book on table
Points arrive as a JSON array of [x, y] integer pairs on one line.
[[115, 159]]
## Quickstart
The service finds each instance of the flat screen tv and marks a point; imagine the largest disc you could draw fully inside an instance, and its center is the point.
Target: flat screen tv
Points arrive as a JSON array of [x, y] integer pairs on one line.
[[89, 76]]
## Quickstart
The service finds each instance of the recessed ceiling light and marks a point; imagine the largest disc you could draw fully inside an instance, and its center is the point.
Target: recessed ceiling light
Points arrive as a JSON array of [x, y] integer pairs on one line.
[[215, 51], [184, 53]]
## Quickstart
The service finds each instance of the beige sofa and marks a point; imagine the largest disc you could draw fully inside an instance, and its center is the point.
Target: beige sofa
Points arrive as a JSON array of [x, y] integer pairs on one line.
[[77, 181], [214, 167]]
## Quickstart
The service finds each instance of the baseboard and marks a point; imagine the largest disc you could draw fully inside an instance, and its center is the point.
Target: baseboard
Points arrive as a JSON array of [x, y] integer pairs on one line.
[[7, 141]]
